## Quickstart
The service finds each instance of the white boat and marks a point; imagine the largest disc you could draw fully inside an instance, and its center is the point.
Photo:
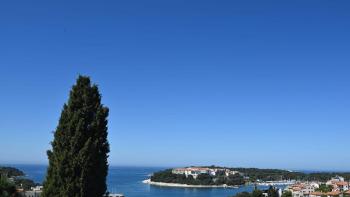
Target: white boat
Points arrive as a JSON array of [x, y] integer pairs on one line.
[[116, 195]]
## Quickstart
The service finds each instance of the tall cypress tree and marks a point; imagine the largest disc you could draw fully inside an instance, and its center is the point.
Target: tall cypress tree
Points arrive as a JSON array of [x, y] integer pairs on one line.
[[78, 160]]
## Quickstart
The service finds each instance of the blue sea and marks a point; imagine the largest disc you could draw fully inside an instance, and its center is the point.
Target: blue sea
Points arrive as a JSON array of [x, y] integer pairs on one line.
[[128, 181]]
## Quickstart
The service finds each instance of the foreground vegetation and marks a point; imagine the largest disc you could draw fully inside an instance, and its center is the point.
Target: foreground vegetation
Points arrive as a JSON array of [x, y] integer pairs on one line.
[[6, 188]]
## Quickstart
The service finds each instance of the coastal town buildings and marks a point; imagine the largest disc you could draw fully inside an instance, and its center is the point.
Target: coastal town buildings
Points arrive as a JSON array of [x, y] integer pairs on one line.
[[339, 186], [191, 171], [327, 194], [195, 171], [347, 193], [33, 192], [302, 189]]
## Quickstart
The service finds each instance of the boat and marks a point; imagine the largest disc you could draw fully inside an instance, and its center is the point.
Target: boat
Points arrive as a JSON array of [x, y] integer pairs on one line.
[[116, 195]]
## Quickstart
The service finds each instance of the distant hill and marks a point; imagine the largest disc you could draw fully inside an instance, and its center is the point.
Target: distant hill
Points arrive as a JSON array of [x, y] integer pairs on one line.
[[11, 172]]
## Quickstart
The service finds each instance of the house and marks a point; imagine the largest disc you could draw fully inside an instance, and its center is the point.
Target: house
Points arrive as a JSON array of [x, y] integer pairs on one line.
[[333, 193], [32, 193], [230, 172], [193, 171], [342, 186], [265, 193], [316, 194], [328, 194], [347, 193], [338, 184], [223, 171], [302, 189], [37, 188], [335, 179]]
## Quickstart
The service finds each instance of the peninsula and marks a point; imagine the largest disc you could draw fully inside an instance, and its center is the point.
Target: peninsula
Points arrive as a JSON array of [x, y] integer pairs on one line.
[[214, 176]]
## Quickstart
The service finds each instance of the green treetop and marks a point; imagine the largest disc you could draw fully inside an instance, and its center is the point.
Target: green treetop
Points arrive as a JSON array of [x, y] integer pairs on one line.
[[78, 160]]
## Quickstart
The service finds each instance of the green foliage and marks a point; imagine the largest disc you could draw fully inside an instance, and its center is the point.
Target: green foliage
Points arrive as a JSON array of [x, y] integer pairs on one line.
[[287, 194], [257, 193], [235, 179], [254, 174], [167, 176], [272, 192], [268, 174], [324, 188], [205, 179], [78, 159], [243, 194], [7, 189], [277, 175], [10, 172], [25, 183]]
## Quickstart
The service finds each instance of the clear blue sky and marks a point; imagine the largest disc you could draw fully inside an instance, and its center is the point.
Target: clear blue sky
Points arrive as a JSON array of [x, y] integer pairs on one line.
[[235, 83]]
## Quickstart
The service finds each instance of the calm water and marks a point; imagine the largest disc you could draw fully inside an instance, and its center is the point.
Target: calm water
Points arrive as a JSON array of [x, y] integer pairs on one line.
[[128, 180]]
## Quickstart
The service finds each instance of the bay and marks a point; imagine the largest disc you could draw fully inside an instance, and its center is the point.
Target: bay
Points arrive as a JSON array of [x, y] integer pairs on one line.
[[128, 181]]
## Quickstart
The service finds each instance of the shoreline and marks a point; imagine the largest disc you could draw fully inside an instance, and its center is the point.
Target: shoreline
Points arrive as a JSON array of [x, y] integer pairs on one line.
[[162, 184]]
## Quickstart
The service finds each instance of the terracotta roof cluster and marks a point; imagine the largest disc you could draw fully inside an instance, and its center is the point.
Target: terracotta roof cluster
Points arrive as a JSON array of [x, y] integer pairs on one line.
[[298, 187], [342, 183], [317, 193], [333, 193]]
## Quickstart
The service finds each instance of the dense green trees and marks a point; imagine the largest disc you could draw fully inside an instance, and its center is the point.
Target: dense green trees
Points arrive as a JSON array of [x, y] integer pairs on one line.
[[235, 179], [243, 194], [167, 176], [25, 183], [7, 189], [250, 175], [11, 172], [324, 188], [257, 193], [78, 159], [271, 192], [276, 175], [287, 194]]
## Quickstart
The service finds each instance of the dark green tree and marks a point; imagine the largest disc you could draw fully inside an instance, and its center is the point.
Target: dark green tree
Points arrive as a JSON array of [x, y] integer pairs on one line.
[[78, 160], [243, 194], [257, 193], [324, 188], [7, 189], [272, 192], [287, 194]]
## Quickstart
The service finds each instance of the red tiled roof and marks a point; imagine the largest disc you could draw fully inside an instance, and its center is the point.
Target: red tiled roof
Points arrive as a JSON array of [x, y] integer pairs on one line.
[[342, 183], [317, 193], [333, 193], [296, 188]]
